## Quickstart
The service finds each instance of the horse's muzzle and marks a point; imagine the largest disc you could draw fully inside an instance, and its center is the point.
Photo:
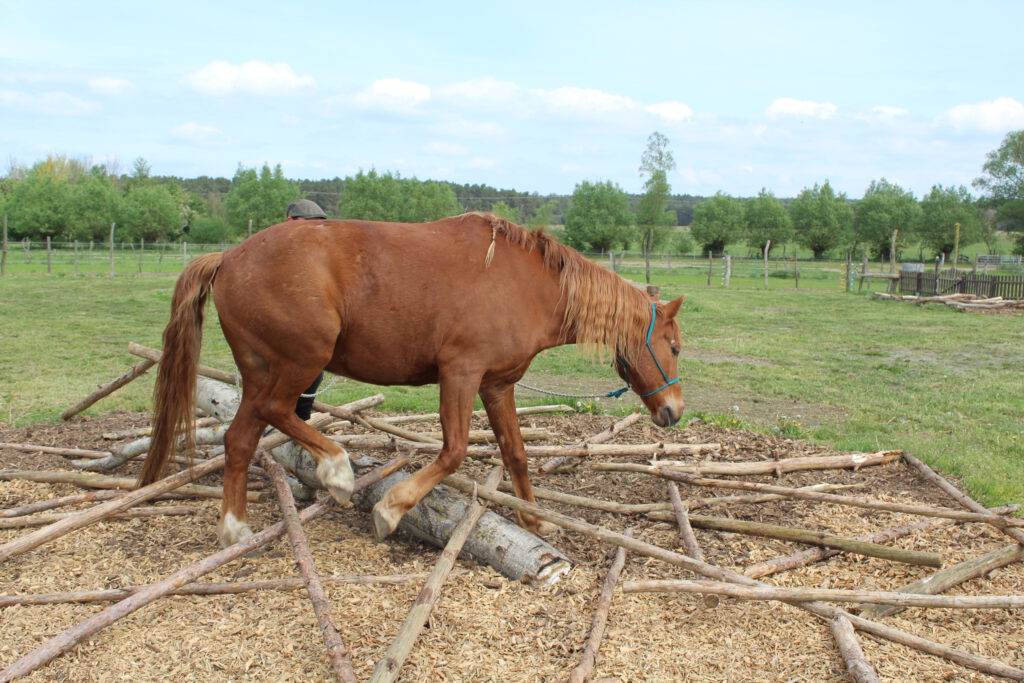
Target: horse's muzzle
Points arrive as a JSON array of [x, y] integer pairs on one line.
[[666, 416]]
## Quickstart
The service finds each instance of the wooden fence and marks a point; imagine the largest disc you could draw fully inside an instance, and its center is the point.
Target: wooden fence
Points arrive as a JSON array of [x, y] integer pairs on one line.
[[952, 282]]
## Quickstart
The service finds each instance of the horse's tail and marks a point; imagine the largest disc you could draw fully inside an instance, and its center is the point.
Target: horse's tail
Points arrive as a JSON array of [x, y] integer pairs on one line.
[[176, 380]]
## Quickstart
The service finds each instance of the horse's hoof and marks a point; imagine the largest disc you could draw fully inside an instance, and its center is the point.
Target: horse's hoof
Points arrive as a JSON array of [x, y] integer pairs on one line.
[[336, 475], [230, 530], [383, 524]]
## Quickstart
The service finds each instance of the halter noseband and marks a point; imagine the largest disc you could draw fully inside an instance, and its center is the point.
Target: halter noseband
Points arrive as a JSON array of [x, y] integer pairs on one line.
[[625, 367]]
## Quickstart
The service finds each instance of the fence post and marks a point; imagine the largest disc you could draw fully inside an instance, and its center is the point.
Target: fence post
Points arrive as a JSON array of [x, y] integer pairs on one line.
[[76, 258], [142, 250], [796, 273], [710, 262], [3, 254], [49, 257], [728, 269], [184, 253], [767, 246], [112, 249]]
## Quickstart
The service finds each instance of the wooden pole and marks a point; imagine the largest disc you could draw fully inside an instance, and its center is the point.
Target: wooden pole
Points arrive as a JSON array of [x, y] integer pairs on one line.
[[228, 588], [110, 387], [767, 247], [964, 500], [561, 461], [824, 611], [954, 575], [682, 513], [142, 251], [62, 501], [387, 668], [857, 664], [49, 256], [3, 252], [923, 510], [822, 462], [710, 266], [71, 637], [76, 258], [112, 249], [140, 511], [586, 666], [337, 652], [803, 594]]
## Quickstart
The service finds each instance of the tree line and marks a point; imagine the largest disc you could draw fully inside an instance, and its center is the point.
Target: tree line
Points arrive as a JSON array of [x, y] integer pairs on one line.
[[68, 199]]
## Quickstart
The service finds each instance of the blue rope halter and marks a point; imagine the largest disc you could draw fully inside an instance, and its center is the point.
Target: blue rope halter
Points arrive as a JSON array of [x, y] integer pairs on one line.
[[625, 367]]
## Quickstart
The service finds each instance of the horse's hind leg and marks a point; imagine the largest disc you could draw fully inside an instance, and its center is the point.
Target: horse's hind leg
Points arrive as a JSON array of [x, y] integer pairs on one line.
[[239, 444]]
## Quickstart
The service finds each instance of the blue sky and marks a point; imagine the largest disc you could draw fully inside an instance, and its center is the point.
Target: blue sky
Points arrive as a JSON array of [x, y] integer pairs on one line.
[[536, 96]]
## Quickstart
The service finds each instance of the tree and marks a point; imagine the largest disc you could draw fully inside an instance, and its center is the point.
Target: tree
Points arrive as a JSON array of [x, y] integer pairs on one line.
[[149, 212], [1003, 181], [821, 220], [428, 200], [543, 217], [941, 211], [884, 208], [38, 207], [767, 222], [652, 218], [372, 197], [502, 209], [717, 221], [93, 205], [598, 218], [261, 197]]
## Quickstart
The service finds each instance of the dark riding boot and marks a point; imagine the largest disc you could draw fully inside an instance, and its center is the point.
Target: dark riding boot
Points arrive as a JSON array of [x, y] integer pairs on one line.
[[304, 406]]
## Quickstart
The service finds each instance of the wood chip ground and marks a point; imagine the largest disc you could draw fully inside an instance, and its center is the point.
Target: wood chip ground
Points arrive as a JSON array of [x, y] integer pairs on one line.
[[486, 628]]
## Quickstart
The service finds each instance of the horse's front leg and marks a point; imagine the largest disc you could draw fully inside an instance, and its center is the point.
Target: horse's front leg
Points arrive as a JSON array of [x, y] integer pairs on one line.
[[500, 403], [457, 394]]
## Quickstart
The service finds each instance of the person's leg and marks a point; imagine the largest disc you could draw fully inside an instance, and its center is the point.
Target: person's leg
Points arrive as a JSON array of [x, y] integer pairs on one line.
[[304, 406]]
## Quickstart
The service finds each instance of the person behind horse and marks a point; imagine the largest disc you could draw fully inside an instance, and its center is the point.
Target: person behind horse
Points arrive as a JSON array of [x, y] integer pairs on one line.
[[304, 209]]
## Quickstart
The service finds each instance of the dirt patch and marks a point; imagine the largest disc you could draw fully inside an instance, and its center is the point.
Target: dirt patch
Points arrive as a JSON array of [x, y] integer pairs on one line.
[[485, 627]]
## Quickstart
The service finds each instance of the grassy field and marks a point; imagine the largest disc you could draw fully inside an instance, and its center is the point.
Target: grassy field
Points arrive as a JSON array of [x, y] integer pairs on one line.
[[837, 368]]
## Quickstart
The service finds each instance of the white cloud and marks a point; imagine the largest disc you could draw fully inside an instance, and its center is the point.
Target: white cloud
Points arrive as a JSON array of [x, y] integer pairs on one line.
[[55, 103], [465, 128], [194, 133], [996, 116], [255, 77], [481, 162], [109, 85], [446, 149], [786, 106], [487, 93], [584, 102], [670, 111], [393, 94]]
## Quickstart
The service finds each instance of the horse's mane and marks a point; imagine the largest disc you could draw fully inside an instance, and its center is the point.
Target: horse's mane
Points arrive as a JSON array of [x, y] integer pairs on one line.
[[603, 311]]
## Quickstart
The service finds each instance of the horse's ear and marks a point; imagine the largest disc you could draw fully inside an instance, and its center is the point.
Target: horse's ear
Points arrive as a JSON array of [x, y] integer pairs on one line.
[[672, 307]]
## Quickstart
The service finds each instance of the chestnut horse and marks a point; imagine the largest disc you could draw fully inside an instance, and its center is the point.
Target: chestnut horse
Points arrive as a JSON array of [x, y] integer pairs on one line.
[[464, 302]]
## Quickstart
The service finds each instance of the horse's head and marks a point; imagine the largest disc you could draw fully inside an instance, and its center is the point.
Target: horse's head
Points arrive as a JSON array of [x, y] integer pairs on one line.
[[654, 374]]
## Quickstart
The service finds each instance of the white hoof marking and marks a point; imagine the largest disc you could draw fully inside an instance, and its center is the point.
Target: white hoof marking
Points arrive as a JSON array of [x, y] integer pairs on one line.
[[230, 530], [336, 475]]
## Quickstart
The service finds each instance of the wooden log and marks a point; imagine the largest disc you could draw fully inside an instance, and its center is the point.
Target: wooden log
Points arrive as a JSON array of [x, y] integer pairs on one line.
[[585, 668], [228, 588], [533, 451], [560, 461], [62, 501], [825, 594], [146, 431], [99, 481], [133, 513], [922, 510], [71, 637], [593, 503], [682, 513], [96, 513], [54, 450], [957, 495], [948, 577], [435, 417], [885, 552], [857, 664], [204, 436], [217, 399], [826, 612], [136, 370], [388, 667], [204, 370], [805, 557], [511, 550], [337, 652], [823, 462]]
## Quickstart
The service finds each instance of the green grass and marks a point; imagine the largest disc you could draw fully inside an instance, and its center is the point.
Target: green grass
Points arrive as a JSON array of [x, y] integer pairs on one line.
[[840, 369]]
